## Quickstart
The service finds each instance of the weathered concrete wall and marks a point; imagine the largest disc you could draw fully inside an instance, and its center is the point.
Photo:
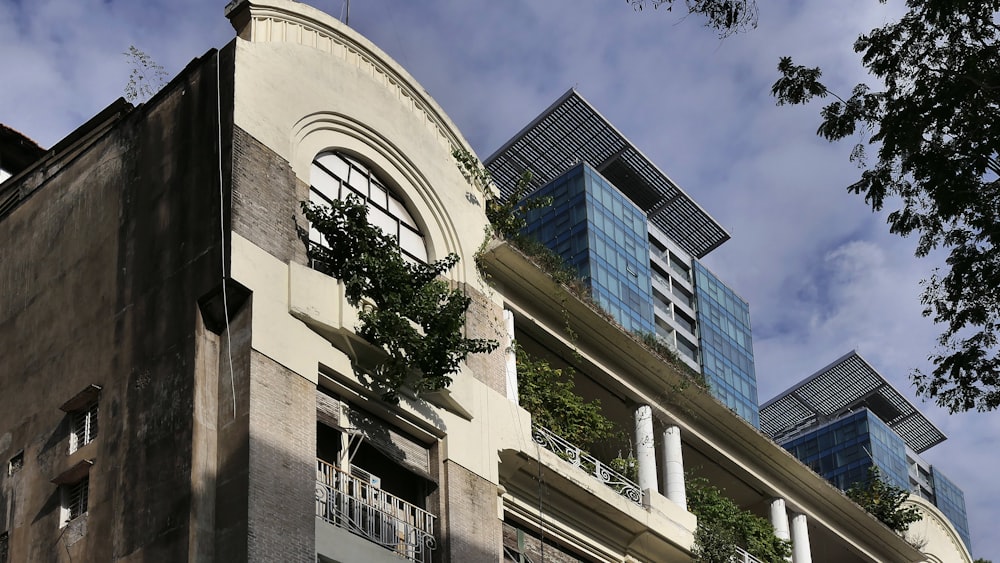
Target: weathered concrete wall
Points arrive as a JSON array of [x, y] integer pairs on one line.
[[102, 269]]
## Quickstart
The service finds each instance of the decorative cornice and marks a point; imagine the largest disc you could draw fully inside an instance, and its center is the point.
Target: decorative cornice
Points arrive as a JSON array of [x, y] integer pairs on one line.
[[285, 21]]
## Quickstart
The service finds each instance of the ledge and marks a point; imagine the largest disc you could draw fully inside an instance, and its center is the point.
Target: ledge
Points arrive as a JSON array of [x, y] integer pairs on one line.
[[78, 471], [661, 531], [82, 399], [603, 350]]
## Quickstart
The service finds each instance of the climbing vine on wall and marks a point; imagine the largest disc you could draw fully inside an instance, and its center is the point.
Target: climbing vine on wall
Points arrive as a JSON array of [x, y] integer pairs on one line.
[[405, 308]]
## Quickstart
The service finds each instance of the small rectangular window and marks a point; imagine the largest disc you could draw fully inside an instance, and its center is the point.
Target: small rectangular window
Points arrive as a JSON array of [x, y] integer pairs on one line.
[[15, 464], [4, 547], [74, 500], [83, 426]]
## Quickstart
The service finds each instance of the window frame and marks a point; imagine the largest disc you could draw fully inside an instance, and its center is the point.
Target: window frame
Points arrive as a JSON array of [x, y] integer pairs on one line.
[[385, 202], [74, 500], [15, 464], [83, 425]]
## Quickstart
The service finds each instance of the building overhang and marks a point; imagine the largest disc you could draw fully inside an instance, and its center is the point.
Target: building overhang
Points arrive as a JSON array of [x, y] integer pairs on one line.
[[571, 131]]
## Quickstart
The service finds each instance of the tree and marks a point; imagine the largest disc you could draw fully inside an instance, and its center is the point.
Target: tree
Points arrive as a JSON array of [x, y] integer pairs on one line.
[[405, 308], [548, 394], [725, 16], [936, 130], [884, 501], [723, 525], [146, 76]]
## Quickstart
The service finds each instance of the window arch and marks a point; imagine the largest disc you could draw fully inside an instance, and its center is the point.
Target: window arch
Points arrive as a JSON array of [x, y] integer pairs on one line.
[[336, 176]]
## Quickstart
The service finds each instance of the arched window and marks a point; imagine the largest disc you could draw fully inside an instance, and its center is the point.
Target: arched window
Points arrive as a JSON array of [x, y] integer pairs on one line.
[[336, 176]]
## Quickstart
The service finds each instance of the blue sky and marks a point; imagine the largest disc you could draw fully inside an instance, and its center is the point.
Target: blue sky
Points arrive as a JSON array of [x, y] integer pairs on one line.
[[820, 271]]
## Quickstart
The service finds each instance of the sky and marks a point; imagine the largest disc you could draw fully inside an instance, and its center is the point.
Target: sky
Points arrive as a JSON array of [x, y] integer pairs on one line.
[[821, 272]]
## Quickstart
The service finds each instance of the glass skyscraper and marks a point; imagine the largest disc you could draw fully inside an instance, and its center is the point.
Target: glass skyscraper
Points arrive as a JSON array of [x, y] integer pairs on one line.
[[726, 344], [636, 238], [845, 418], [602, 234]]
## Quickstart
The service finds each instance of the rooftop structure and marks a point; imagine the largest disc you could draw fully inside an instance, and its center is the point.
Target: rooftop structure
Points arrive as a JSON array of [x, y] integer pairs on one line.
[[846, 418], [847, 384], [571, 131], [635, 237]]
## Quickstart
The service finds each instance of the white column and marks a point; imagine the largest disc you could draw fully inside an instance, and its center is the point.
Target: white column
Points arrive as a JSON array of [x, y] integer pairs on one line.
[[779, 519], [511, 367], [644, 452], [673, 467], [801, 553]]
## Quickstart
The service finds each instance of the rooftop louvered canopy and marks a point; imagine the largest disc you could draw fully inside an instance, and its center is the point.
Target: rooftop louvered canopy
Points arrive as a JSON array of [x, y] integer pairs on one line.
[[846, 385], [571, 131]]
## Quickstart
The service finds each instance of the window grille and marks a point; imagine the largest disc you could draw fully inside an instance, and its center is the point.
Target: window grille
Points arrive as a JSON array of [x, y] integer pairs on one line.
[[75, 498], [83, 427]]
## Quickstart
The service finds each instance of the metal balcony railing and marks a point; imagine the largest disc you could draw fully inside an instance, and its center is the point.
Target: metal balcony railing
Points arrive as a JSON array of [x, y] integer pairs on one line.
[[363, 509], [621, 484], [743, 557]]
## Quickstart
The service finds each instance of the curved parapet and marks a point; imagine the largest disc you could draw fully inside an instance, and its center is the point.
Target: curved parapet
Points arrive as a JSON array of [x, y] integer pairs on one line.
[[306, 84], [935, 536]]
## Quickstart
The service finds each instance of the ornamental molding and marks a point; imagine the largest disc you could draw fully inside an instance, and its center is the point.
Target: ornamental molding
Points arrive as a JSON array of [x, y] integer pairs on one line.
[[285, 21]]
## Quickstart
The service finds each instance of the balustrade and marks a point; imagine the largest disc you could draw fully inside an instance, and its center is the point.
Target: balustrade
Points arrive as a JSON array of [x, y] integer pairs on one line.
[[380, 517], [601, 471]]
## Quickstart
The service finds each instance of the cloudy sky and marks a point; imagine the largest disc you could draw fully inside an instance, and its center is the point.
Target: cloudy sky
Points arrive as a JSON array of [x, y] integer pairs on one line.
[[820, 271]]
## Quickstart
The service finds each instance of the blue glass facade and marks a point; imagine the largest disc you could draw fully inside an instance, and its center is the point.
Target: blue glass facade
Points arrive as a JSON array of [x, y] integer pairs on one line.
[[726, 344], [602, 234], [843, 450], [951, 500]]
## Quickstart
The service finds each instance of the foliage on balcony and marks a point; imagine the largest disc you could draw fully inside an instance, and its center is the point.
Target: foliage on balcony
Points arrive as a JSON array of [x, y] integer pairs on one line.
[[723, 527], [414, 316], [548, 394], [884, 501]]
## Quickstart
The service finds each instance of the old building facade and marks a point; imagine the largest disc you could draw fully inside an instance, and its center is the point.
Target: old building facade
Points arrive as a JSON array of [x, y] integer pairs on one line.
[[179, 385]]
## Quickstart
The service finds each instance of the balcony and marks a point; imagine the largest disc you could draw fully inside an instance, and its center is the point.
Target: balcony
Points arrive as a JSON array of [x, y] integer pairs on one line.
[[743, 557], [616, 481], [362, 508]]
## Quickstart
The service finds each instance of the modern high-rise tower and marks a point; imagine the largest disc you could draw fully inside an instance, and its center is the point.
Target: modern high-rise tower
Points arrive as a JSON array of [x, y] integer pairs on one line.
[[636, 237], [846, 418]]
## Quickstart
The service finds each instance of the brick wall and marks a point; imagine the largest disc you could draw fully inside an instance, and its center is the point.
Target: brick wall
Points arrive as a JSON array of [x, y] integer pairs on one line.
[[266, 196], [282, 488], [519, 540], [484, 319], [472, 531]]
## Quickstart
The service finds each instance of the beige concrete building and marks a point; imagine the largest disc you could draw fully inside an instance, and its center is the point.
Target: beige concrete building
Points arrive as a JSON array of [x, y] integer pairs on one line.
[[179, 385]]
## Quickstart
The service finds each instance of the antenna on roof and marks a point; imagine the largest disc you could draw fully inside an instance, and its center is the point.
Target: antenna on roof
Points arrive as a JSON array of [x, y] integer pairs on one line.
[[347, 15]]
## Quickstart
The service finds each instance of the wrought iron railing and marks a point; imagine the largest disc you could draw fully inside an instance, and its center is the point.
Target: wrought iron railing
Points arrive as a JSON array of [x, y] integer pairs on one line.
[[618, 482], [363, 509]]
